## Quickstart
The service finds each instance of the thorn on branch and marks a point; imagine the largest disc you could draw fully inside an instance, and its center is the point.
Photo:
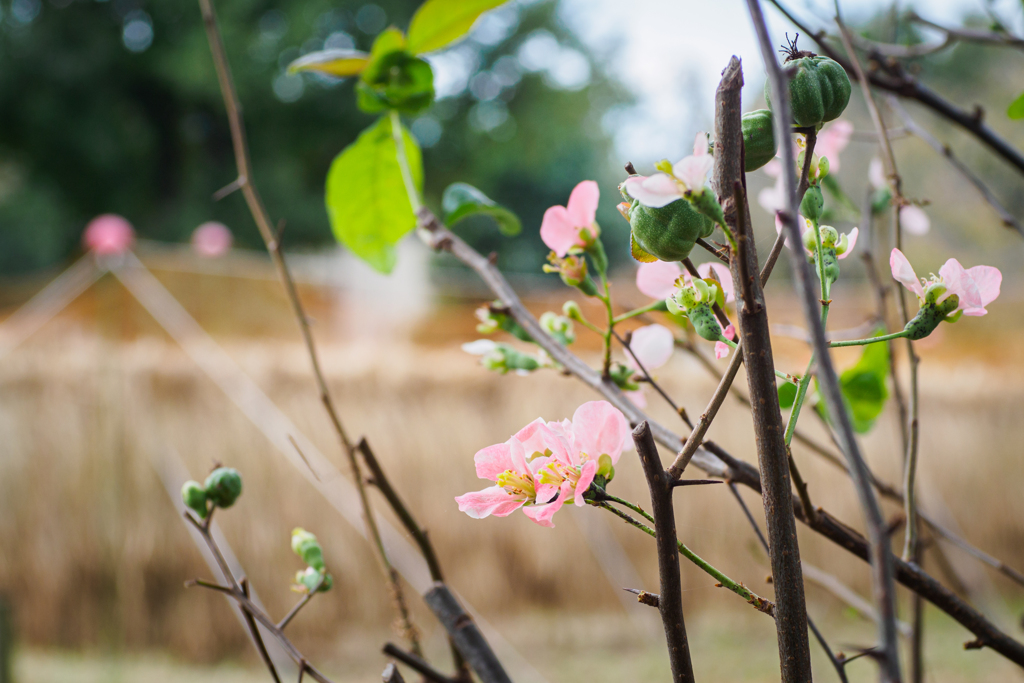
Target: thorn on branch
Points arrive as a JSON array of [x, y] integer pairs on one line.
[[695, 482], [630, 169], [645, 598]]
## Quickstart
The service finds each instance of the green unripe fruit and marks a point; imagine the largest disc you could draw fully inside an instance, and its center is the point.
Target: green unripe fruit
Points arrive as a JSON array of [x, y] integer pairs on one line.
[[830, 264], [305, 545], [929, 317], [813, 203], [819, 88], [758, 139], [224, 486], [668, 233], [194, 497], [705, 322]]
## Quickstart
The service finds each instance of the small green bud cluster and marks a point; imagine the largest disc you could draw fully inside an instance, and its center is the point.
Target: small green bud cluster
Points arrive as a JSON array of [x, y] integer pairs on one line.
[[572, 268], [314, 577], [221, 489], [695, 301], [493, 318], [558, 326]]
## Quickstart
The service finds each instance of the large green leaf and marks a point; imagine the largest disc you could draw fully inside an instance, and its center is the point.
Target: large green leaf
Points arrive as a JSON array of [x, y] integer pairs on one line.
[[440, 22], [1016, 110], [461, 200], [366, 198], [864, 387]]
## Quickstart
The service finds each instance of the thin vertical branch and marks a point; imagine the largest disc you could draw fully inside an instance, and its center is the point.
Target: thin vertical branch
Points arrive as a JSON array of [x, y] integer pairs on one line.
[[659, 483], [263, 223], [878, 537], [752, 315]]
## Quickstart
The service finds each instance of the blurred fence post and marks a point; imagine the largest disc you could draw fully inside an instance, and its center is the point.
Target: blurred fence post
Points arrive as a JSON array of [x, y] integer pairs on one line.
[[6, 642]]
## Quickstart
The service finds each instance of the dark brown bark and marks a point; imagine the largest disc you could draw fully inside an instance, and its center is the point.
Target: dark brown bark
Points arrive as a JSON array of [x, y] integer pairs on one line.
[[670, 602], [769, 429], [464, 633]]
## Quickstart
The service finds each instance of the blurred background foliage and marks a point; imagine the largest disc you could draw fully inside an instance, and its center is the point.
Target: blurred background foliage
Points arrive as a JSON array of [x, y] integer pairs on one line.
[[113, 106]]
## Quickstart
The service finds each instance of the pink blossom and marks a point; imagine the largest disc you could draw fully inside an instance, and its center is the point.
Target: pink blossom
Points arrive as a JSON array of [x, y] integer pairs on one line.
[[832, 141], [729, 332], [652, 345], [211, 239], [689, 174], [658, 279], [976, 287], [562, 225], [547, 465], [851, 238], [914, 220], [108, 234], [719, 272], [721, 350]]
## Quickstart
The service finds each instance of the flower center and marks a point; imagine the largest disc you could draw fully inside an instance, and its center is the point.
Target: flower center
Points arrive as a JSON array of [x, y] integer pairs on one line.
[[517, 484]]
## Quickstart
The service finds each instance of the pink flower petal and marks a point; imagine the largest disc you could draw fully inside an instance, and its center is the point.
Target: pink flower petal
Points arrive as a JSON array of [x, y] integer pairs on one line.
[[538, 437], [721, 350], [903, 272], [542, 514], [491, 501], [988, 279], [958, 282], [720, 272], [729, 332], [108, 234], [652, 345], [693, 170], [211, 239], [492, 461], [914, 220], [587, 473], [558, 232], [654, 191], [773, 198], [657, 279], [832, 141], [700, 144], [600, 429], [773, 168], [851, 241], [582, 205], [876, 174]]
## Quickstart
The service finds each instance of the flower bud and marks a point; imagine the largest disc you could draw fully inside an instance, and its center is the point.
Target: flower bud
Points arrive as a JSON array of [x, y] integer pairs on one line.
[[558, 327], [194, 497], [307, 580], [571, 309], [930, 315], [573, 271], [813, 203], [305, 545], [668, 233], [493, 317], [622, 376], [224, 486]]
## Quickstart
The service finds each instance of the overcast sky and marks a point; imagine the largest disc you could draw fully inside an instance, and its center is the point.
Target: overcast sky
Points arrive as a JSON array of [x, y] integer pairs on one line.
[[672, 52]]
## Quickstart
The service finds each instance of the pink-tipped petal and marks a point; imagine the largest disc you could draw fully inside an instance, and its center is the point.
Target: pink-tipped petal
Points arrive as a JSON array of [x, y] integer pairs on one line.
[[914, 220], [600, 429], [652, 345], [657, 279], [538, 437], [108, 234], [720, 272], [832, 141], [493, 460], [721, 350], [851, 241], [211, 239], [491, 501], [587, 473], [558, 232], [729, 332], [700, 144], [958, 282], [654, 191], [903, 272], [542, 514], [582, 205]]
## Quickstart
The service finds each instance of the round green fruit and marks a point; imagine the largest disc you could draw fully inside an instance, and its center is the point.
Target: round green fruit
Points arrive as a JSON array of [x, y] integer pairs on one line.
[[668, 233], [194, 497], [758, 139], [224, 486], [819, 88]]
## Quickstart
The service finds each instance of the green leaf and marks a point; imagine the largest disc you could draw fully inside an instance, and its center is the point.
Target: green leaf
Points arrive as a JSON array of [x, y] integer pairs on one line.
[[461, 200], [366, 199], [339, 63], [1016, 110], [438, 23], [864, 387], [394, 78], [787, 394]]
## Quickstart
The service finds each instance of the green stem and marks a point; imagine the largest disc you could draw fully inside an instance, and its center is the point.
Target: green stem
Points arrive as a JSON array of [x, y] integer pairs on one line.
[[403, 162], [778, 373], [759, 603], [635, 508], [820, 263], [871, 340], [657, 305], [607, 299], [802, 386]]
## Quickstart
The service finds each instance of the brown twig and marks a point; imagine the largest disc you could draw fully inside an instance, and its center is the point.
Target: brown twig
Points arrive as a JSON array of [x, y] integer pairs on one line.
[[647, 376], [751, 313], [659, 484], [416, 663], [273, 244], [254, 632], [464, 633], [881, 556]]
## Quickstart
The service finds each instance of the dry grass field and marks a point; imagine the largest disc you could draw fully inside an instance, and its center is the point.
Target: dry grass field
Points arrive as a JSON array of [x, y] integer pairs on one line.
[[94, 555]]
